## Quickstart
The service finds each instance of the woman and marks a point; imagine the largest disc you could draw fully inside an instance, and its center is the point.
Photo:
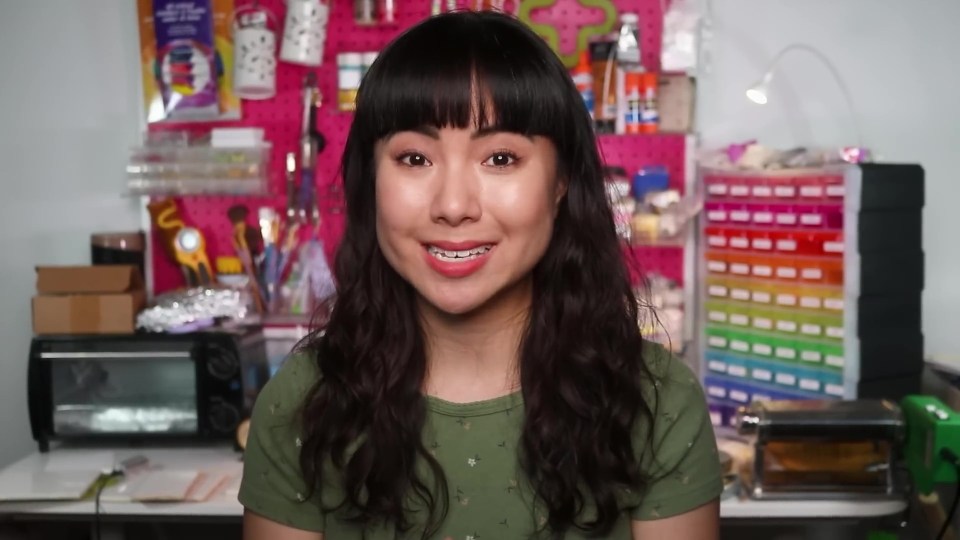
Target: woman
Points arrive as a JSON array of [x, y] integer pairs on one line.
[[481, 375]]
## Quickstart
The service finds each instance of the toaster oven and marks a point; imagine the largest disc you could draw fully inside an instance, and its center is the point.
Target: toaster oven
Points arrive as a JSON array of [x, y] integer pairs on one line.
[[196, 386]]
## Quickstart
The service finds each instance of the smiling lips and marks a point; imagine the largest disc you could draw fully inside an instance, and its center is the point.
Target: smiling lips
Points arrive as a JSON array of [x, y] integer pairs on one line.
[[457, 259]]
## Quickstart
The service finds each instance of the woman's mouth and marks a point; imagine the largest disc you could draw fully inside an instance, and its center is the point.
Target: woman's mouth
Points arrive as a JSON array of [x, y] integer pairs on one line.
[[450, 255]]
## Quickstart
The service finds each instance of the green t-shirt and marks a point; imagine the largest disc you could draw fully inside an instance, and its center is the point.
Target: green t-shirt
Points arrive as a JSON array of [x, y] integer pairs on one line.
[[476, 445]]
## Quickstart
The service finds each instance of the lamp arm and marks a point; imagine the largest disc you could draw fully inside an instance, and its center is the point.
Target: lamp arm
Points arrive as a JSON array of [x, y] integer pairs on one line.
[[768, 76]]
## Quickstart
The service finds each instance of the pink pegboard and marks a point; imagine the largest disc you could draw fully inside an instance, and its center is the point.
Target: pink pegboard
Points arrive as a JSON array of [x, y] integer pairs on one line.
[[280, 118]]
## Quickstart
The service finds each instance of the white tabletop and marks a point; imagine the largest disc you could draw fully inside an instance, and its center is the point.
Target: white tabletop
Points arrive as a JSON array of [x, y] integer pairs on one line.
[[225, 504]]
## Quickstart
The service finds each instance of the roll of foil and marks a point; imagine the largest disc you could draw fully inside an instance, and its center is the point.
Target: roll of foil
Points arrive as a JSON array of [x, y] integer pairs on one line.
[[192, 309]]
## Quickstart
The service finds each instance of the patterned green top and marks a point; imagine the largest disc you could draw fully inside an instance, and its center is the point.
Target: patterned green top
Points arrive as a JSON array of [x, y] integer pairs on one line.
[[476, 445]]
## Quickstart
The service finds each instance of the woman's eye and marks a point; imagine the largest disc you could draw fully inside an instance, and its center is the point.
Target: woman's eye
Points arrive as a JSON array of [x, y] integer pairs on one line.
[[413, 159], [501, 159]]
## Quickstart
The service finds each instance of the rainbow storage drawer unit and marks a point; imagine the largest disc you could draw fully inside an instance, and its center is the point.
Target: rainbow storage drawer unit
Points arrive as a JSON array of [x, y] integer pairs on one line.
[[812, 283]]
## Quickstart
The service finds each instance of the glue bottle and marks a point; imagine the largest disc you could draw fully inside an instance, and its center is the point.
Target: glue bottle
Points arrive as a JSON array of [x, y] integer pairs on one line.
[[583, 80]]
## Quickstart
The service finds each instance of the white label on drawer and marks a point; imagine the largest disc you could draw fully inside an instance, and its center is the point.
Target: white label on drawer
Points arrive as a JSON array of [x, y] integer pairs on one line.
[[740, 268], [740, 215], [739, 395], [717, 290], [811, 329], [836, 190], [717, 341], [785, 191], [834, 360], [763, 217], [786, 245], [786, 272], [762, 375], [740, 346], [737, 371], [833, 247], [835, 332], [762, 270], [717, 391], [835, 304], [761, 297], [785, 378], [739, 294], [740, 242], [811, 273], [716, 266], [786, 353], [786, 219], [762, 191], [810, 384], [810, 356], [810, 302], [811, 219], [715, 418], [762, 323], [762, 349], [739, 191], [717, 241], [717, 189], [717, 215], [786, 326], [716, 365], [762, 243], [739, 319], [786, 300], [717, 316], [833, 389], [811, 191]]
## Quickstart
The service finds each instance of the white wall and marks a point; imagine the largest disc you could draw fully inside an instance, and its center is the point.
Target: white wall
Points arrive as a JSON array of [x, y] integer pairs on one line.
[[68, 111], [898, 59]]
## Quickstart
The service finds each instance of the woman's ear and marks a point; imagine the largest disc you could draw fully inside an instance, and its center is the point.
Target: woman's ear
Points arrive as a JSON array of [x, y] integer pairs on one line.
[[560, 191]]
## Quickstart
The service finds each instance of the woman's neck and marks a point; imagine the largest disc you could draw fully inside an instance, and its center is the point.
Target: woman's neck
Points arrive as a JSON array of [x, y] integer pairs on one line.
[[475, 357]]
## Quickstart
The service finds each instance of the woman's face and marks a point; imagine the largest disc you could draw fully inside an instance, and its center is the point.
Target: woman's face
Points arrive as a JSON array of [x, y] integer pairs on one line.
[[465, 215]]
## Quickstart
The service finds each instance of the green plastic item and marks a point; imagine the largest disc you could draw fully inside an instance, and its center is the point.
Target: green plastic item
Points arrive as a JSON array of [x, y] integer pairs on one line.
[[931, 427], [552, 36]]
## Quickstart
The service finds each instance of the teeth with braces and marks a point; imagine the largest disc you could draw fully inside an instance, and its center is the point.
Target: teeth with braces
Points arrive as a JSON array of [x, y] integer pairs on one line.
[[458, 255]]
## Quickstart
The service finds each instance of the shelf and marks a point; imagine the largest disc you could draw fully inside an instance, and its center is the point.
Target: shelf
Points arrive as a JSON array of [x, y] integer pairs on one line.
[[199, 170]]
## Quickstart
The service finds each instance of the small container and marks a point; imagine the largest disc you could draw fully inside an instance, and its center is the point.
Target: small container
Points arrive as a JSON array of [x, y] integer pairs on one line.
[[368, 59], [603, 62], [118, 248], [255, 53], [305, 32], [365, 12], [632, 121], [649, 114], [349, 73], [583, 80]]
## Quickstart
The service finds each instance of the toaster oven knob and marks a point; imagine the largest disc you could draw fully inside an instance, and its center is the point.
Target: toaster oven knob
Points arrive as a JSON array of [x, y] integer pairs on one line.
[[224, 417], [222, 362]]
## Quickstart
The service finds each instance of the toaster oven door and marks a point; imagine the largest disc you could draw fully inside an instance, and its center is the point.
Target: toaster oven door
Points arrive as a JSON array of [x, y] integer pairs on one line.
[[128, 389]]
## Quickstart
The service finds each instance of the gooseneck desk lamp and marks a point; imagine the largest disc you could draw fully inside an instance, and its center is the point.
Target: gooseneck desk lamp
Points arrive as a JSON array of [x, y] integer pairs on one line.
[[759, 91]]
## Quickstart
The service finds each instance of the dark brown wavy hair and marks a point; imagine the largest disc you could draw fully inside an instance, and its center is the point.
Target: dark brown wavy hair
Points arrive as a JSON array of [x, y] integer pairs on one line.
[[581, 365]]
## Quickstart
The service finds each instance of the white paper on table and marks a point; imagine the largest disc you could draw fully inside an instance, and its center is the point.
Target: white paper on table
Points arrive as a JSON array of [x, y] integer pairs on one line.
[[163, 485], [208, 484]]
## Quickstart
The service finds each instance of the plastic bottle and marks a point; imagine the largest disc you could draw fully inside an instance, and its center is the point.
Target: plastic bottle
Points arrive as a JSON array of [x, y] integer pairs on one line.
[[632, 116], [583, 79], [649, 114]]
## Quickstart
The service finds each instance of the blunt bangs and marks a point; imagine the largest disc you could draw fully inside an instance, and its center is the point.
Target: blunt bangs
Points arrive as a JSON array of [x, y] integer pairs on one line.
[[479, 71]]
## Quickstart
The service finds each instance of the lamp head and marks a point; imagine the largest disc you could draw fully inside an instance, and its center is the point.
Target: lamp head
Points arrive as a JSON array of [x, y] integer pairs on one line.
[[757, 93]]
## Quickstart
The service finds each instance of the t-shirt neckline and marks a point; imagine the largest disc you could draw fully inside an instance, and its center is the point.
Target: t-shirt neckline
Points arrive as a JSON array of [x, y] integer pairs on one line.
[[475, 408]]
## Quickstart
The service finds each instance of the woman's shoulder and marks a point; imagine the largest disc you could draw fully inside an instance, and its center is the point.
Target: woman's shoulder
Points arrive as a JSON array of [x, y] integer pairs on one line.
[[281, 398], [669, 374]]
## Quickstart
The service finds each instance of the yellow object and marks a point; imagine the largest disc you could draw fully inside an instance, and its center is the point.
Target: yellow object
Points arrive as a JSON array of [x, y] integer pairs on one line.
[[229, 265]]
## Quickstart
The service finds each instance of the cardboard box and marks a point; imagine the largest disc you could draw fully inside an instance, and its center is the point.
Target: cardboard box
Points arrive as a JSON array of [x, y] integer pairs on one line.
[[87, 299]]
